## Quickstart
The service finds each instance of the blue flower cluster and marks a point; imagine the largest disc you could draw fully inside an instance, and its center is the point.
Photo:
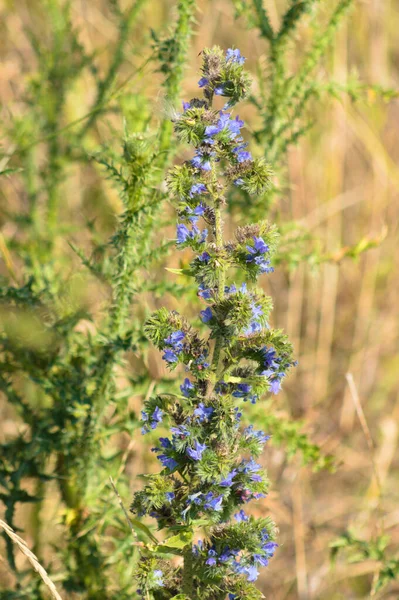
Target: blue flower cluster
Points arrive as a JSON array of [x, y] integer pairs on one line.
[[257, 254], [209, 468], [238, 560], [151, 422]]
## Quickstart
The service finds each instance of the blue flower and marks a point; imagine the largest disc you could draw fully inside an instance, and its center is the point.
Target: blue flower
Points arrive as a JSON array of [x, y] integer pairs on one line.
[[167, 461], [250, 571], [206, 315], [193, 214], [219, 90], [250, 466], [211, 560], [201, 362], [203, 82], [202, 161], [239, 182], [203, 412], [228, 480], [170, 496], [235, 56], [196, 453], [181, 431], [213, 502], [242, 389], [204, 292], [235, 125], [197, 188], [257, 255], [241, 517], [198, 547], [270, 548], [204, 257], [183, 233], [170, 356], [243, 155], [260, 560], [186, 387], [275, 386], [151, 422], [259, 436], [158, 578], [165, 442]]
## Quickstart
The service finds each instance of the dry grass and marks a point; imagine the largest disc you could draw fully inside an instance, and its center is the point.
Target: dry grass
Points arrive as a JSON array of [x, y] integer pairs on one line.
[[343, 183]]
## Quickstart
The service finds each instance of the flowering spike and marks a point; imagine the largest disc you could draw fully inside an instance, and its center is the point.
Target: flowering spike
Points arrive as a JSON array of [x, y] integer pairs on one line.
[[209, 468]]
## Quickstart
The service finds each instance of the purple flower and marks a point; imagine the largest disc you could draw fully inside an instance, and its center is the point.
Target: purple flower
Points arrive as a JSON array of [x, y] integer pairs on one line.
[[186, 387], [203, 82], [196, 453], [241, 517], [170, 496], [206, 315], [186, 106], [235, 56], [203, 412], [219, 90], [239, 182]]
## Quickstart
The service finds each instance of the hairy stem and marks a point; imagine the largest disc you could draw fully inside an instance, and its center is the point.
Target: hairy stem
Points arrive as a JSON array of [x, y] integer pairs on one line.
[[188, 583]]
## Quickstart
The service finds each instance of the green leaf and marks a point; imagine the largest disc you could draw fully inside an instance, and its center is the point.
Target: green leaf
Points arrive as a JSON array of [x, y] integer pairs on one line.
[[180, 540], [141, 527]]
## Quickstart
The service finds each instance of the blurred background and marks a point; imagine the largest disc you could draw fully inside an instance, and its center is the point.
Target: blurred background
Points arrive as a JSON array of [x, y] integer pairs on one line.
[[339, 304]]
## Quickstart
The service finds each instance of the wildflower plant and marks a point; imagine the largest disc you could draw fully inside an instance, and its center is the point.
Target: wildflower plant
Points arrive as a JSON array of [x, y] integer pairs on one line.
[[209, 457]]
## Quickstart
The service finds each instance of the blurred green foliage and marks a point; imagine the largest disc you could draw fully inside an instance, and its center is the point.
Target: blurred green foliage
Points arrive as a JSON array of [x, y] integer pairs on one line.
[[60, 358]]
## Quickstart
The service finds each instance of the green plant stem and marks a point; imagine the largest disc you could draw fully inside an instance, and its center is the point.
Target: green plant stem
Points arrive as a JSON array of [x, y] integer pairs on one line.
[[221, 277], [126, 23], [188, 582]]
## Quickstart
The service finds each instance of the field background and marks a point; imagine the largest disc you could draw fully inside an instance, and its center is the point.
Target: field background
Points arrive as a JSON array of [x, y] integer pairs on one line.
[[342, 185]]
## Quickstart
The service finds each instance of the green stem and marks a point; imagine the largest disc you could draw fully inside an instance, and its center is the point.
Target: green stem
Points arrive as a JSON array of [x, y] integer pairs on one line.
[[106, 84], [188, 582]]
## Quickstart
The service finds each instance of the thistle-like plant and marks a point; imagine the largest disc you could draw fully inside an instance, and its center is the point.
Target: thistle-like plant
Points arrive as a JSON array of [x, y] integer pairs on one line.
[[209, 468]]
